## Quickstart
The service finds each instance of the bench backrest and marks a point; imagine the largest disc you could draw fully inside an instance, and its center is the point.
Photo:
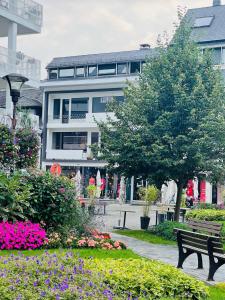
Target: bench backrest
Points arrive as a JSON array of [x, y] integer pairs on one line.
[[211, 228], [215, 246], [192, 239]]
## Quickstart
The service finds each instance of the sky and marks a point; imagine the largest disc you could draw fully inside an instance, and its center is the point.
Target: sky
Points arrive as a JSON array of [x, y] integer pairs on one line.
[[74, 27]]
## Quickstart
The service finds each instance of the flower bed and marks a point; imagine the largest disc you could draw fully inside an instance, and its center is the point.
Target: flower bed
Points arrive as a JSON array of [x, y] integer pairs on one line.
[[21, 236], [95, 240], [67, 277]]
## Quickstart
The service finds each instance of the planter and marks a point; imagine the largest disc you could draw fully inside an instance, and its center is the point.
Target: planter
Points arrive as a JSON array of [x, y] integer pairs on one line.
[[91, 209], [144, 222]]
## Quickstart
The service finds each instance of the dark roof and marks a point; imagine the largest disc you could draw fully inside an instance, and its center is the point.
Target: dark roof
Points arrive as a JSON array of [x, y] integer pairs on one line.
[[214, 32], [101, 58], [29, 98]]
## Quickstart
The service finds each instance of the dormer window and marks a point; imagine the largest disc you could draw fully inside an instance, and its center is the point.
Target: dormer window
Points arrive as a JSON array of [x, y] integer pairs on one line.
[[203, 22]]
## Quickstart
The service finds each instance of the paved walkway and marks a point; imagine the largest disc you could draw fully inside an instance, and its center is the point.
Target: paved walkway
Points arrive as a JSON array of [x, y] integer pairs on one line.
[[169, 255]]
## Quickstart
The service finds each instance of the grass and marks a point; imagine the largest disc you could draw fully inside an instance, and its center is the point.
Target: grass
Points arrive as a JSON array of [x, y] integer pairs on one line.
[[145, 236], [84, 253], [216, 293]]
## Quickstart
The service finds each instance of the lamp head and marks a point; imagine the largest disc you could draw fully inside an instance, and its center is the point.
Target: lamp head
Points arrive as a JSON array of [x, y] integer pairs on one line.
[[15, 82]]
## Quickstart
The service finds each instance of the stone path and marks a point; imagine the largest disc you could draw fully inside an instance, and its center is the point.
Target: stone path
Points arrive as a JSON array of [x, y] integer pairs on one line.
[[169, 255]]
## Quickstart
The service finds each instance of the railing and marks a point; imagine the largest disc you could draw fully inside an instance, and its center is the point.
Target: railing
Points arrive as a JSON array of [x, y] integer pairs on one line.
[[17, 62], [26, 9], [66, 118]]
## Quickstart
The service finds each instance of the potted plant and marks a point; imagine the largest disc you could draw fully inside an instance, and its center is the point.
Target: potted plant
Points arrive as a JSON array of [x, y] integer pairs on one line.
[[149, 194], [91, 190]]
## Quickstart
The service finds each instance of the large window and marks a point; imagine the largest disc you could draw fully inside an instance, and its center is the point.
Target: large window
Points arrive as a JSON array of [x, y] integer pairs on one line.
[[65, 111], [66, 73], [56, 108], [92, 70], [80, 72], [134, 67], [53, 74], [79, 108], [216, 54], [107, 69], [99, 104], [94, 138], [122, 68], [69, 140]]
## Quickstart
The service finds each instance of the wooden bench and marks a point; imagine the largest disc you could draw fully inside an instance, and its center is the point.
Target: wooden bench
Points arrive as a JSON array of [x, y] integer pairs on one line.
[[210, 228], [193, 242]]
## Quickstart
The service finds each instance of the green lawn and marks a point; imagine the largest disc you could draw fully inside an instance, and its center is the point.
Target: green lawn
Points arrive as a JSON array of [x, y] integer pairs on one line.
[[216, 293], [84, 253], [145, 236]]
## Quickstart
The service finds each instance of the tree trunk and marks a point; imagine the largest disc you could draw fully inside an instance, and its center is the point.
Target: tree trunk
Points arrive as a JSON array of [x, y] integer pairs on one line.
[[180, 186]]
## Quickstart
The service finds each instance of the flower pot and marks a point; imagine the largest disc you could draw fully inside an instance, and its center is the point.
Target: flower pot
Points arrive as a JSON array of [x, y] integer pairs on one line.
[[144, 222], [91, 209]]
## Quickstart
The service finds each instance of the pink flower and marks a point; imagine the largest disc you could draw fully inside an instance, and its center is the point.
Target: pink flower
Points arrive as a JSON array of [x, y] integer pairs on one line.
[[81, 243], [92, 243]]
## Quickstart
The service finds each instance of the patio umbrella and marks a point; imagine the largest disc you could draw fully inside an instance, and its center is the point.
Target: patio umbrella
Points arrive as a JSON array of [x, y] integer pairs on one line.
[[78, 184], [122, 192], [98, 183], [196, 189]]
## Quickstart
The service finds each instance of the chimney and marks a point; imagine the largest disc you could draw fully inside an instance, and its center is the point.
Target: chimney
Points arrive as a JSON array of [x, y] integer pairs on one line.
[[144, 46], [216, 2]]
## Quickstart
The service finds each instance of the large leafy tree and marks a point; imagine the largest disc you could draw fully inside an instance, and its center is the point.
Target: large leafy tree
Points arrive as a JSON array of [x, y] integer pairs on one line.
[[172, 123]]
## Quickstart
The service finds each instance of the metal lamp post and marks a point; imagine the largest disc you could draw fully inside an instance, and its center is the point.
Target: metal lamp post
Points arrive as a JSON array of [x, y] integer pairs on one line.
[[15, 82]]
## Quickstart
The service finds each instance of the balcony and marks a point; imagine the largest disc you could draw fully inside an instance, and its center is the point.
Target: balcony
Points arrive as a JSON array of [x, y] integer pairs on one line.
[[17, 62], [66, 154], [26, 13]]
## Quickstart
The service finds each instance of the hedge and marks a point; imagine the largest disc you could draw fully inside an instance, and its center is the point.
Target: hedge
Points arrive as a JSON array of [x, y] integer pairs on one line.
[[166, 229], [206, 214]]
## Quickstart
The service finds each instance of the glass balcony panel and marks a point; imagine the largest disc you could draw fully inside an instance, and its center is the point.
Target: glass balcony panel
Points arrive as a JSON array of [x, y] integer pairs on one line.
[[26, 9]]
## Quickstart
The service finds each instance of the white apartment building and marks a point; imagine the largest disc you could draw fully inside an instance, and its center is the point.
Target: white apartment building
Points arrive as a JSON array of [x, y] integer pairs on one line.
[[75, 95], [18, 17]]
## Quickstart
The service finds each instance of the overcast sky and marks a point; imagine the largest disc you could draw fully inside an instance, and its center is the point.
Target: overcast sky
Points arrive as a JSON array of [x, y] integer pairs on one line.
[[73, 27]]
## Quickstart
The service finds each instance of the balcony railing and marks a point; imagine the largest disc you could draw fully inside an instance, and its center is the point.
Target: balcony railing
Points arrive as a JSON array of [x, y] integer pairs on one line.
[[17, 62], [26, 9]]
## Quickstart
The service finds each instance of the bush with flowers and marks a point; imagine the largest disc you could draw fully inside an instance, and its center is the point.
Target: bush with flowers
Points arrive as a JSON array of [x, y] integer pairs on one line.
[[97, 240], [21, 236]]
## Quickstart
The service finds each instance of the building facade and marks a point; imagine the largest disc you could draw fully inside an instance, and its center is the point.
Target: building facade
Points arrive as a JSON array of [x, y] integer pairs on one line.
[[76, 94]]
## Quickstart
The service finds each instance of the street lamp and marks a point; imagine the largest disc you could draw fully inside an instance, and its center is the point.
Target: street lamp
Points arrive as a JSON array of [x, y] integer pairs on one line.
[[15, 82]]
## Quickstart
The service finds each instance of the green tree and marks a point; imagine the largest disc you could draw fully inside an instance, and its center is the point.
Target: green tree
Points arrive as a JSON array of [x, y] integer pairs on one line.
[[172, 123]]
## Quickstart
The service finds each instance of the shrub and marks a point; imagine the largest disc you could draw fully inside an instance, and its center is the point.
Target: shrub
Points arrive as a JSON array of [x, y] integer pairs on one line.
[[206, 214], [148, 279], [53, 199], [21, 235], [15, 193], [27, 143], [6, 147], [166, 229], [18, 150], [69, 277]]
